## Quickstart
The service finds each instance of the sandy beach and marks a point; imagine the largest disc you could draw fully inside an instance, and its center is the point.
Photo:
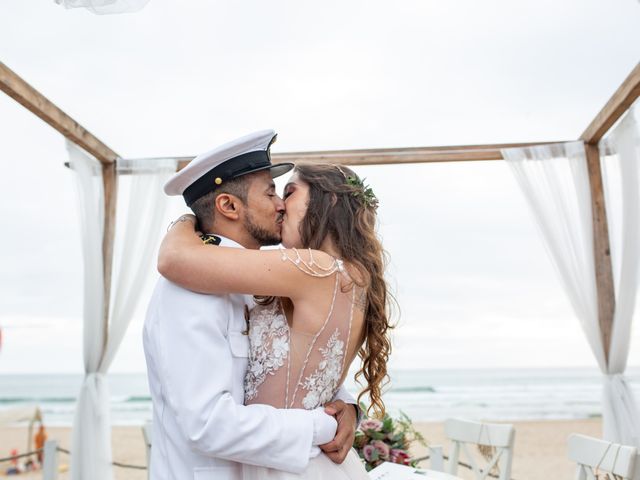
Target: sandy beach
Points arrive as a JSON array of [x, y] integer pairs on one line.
[[540, 448]]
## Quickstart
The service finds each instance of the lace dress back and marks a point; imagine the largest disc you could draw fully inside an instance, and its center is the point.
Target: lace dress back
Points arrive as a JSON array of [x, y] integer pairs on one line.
[[289, 368]]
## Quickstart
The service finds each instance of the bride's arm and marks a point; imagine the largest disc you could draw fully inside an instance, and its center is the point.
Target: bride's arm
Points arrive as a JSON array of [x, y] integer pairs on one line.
[[186, 261]]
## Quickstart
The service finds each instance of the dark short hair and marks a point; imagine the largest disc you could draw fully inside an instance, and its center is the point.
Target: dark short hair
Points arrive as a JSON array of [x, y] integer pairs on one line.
[[205, 207]]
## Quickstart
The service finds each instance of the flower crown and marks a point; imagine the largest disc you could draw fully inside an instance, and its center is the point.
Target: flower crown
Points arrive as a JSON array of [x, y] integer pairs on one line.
[[362, 191]]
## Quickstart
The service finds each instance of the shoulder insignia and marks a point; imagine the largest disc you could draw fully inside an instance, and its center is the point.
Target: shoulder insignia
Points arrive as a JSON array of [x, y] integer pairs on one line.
[[209, 239]]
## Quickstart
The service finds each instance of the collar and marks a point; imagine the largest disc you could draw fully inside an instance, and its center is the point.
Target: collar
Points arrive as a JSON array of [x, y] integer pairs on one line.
[[227, 242]]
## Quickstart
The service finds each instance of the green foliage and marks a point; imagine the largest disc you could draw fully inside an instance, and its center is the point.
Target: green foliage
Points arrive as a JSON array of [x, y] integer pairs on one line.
[[363, 192], [388, 440]]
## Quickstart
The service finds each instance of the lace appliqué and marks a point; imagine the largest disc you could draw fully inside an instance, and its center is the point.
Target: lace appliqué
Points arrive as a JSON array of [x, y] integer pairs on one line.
[[269, 340], [323, 382]]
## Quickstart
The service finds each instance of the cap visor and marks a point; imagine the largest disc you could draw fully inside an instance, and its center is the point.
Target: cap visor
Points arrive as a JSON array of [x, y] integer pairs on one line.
[[280, 169], [276, 170]]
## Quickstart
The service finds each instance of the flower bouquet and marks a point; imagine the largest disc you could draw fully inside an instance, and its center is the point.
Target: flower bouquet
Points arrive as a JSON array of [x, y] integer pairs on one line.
[[386, 440]]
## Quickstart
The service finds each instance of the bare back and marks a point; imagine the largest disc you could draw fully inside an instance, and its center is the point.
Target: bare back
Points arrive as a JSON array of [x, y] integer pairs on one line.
[[294, 366]]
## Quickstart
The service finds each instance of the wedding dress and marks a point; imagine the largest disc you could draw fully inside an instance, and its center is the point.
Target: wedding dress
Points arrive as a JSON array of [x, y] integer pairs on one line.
[[293, 369]]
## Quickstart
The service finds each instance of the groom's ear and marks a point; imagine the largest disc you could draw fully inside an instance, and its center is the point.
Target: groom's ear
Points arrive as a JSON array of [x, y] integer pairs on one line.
[[228, 206]]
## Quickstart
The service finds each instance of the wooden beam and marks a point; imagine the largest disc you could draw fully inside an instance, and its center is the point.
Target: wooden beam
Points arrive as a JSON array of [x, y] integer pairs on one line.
[[617, 105], [601, 249], [110, 185], [35, 102], [386, 156]]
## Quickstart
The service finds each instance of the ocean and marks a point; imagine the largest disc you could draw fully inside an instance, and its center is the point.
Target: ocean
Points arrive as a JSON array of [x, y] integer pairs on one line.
[[424, 395]]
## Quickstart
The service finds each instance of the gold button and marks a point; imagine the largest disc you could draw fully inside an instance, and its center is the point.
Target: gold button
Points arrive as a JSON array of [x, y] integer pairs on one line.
[[218, 180]]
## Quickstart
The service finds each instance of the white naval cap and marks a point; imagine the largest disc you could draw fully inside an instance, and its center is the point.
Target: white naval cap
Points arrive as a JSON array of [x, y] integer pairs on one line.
[[211, 169]]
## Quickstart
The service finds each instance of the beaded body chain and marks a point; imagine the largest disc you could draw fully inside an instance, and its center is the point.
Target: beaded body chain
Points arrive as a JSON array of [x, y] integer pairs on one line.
[[311, 267]]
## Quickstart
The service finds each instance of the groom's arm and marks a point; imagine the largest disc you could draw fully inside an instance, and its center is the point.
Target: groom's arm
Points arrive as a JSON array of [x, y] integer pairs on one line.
[[196, 366]]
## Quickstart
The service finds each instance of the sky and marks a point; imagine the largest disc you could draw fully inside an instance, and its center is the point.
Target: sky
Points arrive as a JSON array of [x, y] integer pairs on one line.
[[470, 273]]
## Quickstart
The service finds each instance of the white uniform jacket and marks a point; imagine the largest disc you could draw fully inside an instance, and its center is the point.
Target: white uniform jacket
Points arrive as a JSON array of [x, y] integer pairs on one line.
[[196, 361]]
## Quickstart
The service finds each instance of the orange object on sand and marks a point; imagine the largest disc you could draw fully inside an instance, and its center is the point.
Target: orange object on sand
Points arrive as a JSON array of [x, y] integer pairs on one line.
[[39, 438]]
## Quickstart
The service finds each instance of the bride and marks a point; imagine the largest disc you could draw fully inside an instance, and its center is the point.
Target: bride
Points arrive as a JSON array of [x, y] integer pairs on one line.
[[320, 301]]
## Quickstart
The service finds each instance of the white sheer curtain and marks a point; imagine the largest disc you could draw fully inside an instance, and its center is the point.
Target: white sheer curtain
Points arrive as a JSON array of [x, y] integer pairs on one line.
[[555, 182], [91, 440], [135, 246], [105, 7], [620, 154]]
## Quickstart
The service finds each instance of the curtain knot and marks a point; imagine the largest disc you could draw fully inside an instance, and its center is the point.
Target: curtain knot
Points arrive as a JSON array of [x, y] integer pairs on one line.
[[95, 387]]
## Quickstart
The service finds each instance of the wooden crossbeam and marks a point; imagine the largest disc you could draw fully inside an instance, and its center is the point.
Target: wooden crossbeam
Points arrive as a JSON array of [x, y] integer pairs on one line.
[[617, 105], [35, 102], [387, 156]]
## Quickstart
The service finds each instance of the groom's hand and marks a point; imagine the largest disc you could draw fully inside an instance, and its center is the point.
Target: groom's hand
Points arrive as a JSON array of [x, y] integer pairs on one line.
[[338, 448]]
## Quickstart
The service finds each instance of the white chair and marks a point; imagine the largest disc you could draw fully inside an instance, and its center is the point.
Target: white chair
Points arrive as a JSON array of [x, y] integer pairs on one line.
[[498, 436], [595, 456], [436, 455], [147, 430], [50, 460]]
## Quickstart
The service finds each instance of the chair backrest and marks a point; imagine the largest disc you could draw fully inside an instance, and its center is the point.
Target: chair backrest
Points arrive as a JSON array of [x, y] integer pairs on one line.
[[500, 437], [147, 430], [50, 460], [598, 456]]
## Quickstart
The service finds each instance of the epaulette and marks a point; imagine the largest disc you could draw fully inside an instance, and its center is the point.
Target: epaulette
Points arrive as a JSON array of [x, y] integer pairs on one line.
[[210, 239]]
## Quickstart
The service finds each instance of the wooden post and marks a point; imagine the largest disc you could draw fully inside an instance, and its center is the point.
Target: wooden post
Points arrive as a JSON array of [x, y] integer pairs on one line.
[[110, 185], [618, 104], [601, 249]]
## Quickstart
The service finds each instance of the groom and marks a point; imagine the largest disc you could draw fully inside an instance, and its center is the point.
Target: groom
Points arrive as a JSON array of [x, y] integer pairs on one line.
[[197, 348]]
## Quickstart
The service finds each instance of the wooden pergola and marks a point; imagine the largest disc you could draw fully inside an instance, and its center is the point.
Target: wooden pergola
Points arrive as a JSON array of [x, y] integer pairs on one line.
[[618, 104]]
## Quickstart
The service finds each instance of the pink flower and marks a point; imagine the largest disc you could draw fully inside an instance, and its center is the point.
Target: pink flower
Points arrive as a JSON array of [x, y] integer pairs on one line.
[[371, 424], [382, 448], [400, 456], [368, 452]]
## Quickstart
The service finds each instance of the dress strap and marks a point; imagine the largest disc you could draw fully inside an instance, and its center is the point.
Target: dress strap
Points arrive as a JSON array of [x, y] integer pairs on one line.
[[312, 267]]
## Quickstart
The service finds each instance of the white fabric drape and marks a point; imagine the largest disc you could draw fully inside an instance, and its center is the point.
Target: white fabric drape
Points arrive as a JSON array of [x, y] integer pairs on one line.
[[555, 182], [105, 7], [136, 244], [90, 443], [620, 154], [91, 439]]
